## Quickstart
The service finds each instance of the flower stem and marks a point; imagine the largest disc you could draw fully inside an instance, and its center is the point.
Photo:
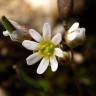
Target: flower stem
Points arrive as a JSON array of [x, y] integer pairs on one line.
[[75, 78], [32, 83]]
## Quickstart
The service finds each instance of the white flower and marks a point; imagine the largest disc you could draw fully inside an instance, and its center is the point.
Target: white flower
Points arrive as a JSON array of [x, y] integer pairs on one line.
[[44, 48], [18, 34], [75, 35]]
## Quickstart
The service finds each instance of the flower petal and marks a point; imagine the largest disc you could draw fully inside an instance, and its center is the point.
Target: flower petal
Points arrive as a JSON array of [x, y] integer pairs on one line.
[[14, 35], [30, 45], [32, 59], [58, 52], [17, 26], [35, 35], [74, 27], [43, 66], [5, 33], [57, 39], [53, 63], [46, 31], [72, 36], [82, 32]]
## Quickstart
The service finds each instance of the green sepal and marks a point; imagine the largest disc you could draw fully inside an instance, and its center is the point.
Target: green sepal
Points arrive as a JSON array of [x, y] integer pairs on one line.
[[7, 24]]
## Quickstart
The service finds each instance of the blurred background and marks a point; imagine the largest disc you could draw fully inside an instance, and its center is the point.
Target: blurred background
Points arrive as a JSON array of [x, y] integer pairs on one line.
[[18, 79]]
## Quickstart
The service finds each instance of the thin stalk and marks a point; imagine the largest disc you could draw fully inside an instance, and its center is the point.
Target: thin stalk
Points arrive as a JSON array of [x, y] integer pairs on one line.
[[75, 78]]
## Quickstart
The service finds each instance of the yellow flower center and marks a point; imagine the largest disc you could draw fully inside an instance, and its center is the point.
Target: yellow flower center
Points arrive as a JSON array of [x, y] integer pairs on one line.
[[46, 48]]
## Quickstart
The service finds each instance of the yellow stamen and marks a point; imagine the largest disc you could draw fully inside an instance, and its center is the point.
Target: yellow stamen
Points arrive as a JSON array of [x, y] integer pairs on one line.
[[46, 48]]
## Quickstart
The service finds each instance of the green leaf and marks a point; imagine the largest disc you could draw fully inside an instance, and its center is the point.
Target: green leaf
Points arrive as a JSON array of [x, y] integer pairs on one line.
[[39, 85]]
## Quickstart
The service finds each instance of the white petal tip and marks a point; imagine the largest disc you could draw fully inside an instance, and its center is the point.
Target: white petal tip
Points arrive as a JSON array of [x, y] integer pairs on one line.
[[28, 62], [31, 31], [42, 66], [23, 43], [74, 27], [83, 29], [47, 31], [32, 59], [59, 52], [46, 24], [30, 45], [54, 69], [54, 63], [5, 33], [57, 39], [77, 23], [38, 72], [35, 35]]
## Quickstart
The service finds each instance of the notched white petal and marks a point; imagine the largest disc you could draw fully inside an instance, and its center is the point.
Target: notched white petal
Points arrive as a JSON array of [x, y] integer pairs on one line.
[[32, 59], [43, 66], [59, 52], [57, 38], [6, 33], [53, 63], [35, 35], [74, 27], [46, 31], [30, 45]]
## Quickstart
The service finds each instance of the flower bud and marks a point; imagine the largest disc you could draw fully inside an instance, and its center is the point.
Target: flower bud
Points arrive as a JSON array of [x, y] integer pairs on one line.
[[75, 35]]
